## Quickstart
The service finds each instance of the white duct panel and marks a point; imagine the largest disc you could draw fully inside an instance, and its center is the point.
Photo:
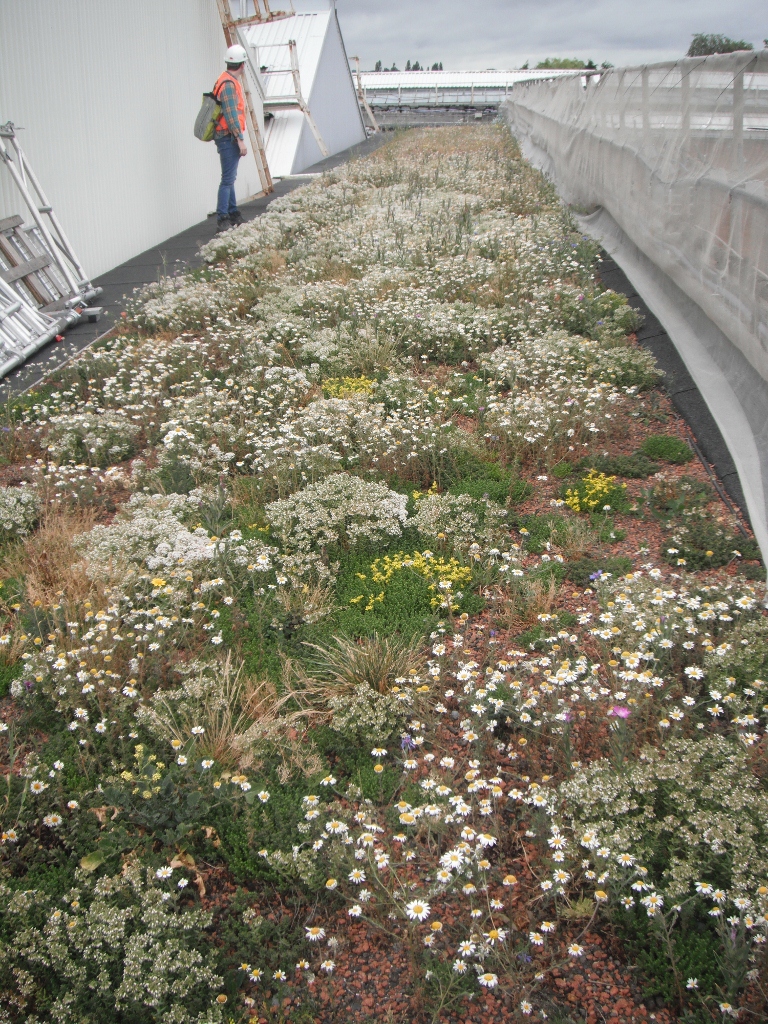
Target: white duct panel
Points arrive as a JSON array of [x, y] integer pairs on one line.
[[333, 102], [326, 85], [107, 94]]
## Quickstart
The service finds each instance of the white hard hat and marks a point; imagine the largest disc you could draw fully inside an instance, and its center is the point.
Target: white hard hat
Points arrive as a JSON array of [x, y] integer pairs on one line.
[[236, 55]]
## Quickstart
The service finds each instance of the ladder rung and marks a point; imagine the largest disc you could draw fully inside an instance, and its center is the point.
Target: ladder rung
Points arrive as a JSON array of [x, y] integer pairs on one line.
[[9, 310]]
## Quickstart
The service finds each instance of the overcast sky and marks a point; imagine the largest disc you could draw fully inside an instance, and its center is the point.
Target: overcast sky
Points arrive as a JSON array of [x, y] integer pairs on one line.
[[477, 34]]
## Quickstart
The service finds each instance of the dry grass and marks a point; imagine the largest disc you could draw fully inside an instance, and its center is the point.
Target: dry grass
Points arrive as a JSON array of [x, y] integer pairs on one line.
[[575, 538], [237, 712], [52, 570], [377, 661], [307, 602], [529, 599]]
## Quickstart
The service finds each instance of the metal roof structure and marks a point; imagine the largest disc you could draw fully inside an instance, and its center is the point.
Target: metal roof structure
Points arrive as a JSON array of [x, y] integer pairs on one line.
[[451, 79], [445, 88], [326, 85]]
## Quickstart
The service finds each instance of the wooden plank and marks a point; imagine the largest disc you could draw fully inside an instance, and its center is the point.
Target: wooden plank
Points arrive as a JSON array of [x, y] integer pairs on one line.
[[8, 223], [33, 286], [25, 269]]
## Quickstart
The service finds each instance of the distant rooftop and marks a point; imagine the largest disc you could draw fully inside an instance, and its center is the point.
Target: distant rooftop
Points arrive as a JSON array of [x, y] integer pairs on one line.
[[452, 79]]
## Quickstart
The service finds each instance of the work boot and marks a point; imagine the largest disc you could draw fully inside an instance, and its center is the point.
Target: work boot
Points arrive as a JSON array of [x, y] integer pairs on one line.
[[235, 218], [223, 223]]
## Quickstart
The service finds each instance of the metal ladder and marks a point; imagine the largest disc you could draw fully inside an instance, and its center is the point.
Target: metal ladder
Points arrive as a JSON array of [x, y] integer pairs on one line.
[[43, 287], [294, 99]]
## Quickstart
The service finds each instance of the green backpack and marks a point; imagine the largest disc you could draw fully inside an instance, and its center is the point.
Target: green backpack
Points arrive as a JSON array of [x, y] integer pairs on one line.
[[205, 122]]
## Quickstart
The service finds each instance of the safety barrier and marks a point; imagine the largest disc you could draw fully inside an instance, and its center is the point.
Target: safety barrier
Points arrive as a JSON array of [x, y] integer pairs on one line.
[[668, 166]]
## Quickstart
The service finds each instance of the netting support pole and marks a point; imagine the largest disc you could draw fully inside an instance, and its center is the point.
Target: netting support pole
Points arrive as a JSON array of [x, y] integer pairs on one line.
[[738, 120], [622, 103], [685, 103], [646, 107]]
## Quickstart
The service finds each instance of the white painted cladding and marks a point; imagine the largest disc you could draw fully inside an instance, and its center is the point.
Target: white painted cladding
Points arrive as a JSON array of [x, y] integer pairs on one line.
[[107, 92]]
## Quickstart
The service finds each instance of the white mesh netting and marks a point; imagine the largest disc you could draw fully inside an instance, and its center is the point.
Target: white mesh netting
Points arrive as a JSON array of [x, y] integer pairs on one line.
[[669, 165]]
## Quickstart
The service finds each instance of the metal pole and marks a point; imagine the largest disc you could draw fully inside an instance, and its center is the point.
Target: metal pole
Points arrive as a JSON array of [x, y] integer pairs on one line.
[[622, 103], [685, 102], [646, 109], [738, 119]]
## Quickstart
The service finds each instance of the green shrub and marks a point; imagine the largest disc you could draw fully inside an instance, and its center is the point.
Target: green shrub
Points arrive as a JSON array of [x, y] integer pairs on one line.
[[701, 542], [627, 366], [746, 659], [631, 467], [597, 313], [691, 812], [670, 498], [248, 936], [127, 948], [537, 531], [352, 764], [531, 638], [468, 474], [7, 674], [666, 448], [406, 607], [696, 948]]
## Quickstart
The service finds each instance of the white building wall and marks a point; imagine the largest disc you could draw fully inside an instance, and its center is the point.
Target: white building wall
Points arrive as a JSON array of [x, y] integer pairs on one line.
[[333, 103], [107, 92]]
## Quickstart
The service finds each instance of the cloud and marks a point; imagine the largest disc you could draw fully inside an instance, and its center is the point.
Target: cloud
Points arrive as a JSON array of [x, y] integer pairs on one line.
[[476, 34]]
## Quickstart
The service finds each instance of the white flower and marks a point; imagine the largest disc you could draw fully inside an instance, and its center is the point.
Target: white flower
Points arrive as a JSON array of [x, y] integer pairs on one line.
[[417, 910]]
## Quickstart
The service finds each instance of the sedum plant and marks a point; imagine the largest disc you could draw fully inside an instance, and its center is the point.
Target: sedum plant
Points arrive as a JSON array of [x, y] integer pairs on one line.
[[124, 947], [341, 511], [458, 519], [19, 511], [693, 811]]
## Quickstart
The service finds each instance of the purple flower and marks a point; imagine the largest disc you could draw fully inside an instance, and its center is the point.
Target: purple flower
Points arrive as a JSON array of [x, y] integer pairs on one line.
[[596, 575], [406, 743], [619, 711]]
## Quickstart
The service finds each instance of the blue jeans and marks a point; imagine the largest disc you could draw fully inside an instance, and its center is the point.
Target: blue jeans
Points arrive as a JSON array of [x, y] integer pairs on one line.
[[229, 154]]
